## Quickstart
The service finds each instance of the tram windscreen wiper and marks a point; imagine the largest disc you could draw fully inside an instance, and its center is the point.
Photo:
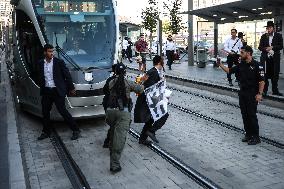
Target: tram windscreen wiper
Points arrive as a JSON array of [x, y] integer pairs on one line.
[[65, 55], [68, 58]]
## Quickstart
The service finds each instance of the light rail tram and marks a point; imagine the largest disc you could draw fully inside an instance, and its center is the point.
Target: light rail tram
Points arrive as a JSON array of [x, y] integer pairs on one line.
[[84, 34]]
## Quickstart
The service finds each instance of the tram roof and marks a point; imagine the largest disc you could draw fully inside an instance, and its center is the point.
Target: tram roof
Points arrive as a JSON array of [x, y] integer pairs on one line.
[[239, 11]]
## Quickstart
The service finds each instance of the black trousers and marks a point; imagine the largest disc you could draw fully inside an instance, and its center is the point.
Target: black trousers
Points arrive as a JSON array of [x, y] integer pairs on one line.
[[271, 75], [49, 97], [274, 82], [231, 60], [153, 127], [248, 105], [170, 57]]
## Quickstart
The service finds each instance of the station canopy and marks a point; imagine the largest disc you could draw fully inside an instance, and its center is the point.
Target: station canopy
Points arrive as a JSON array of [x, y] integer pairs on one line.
[[239, 11]]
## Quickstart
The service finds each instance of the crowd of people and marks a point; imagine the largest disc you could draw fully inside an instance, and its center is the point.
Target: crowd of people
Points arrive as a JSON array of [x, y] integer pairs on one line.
[[56, 83]]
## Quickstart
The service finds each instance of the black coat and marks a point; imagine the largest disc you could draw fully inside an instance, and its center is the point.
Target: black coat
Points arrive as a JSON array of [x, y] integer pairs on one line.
[[277, 44], [61, 77], [142, 113]]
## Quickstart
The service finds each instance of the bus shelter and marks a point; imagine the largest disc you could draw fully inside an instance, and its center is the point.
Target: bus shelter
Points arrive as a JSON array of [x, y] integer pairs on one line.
[[240, 11]]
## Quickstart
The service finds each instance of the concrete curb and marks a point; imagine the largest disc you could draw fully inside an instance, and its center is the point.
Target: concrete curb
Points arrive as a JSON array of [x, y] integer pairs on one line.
[[16, 169]]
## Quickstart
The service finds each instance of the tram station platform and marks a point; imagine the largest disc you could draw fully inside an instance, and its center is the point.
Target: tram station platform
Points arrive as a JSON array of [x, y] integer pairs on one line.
[[207, 74], [11, 167]]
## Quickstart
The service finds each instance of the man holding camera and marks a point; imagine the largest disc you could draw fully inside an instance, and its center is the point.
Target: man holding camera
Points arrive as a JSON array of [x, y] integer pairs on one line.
[[232, 46], [251, 88]]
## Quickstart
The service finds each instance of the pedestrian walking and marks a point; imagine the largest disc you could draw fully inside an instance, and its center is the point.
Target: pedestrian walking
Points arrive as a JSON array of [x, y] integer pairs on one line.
[[55, 82], [170, 48], [124, 47], [142, 113], [232, 47], [270, 45], [141, 50], [118, 115], [129, 50], [251, 88]]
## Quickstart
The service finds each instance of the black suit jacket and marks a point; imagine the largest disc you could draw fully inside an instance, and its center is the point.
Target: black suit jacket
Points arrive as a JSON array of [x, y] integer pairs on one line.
[[142, 113], [61, 77], [277, 44]]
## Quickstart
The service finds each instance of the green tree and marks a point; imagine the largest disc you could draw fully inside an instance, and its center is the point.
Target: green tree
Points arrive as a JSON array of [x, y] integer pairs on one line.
[[175, 18], [150, 17]]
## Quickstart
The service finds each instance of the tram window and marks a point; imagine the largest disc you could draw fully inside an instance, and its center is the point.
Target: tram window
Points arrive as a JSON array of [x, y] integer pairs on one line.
[[31, 48]]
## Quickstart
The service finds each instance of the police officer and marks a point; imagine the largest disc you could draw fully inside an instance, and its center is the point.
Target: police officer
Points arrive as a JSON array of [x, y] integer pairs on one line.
[[250, 94], [105, 99], [118, 115]]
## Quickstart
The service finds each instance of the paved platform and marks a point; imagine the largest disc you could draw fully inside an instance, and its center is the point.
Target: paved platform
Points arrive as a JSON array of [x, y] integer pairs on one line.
[[218, 152], [207, 74], [11, 165], [141, 167]]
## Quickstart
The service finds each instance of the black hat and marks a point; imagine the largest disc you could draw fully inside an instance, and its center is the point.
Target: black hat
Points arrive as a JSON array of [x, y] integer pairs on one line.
[[241, 34], [270, 23], [120, 69]]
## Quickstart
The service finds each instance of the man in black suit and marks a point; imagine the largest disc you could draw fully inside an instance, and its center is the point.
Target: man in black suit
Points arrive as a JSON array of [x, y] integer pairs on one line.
[[55, 82], [142, 113], [270, 44]]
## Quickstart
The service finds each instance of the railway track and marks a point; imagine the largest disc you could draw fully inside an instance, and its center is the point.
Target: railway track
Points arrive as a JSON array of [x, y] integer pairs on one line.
[[72, 170], [225, 102], [226, 125], [184, 168], [209, 84], [79, 181]]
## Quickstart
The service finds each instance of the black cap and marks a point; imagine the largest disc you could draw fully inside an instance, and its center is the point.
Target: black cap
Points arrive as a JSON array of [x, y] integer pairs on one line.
[[120, 69], [241, 34], [269, 24]]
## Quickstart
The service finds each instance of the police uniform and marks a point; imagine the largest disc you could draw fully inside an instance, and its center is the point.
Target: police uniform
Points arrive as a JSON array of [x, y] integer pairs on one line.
[[119, 121], [250, 75]]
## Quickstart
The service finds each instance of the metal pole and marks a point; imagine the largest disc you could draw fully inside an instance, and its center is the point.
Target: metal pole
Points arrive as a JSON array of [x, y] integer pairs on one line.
[[160, 37], [255, 45], [215, 41], [190, 35]]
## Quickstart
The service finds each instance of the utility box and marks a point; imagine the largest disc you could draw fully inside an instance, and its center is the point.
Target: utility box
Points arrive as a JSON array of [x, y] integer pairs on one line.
[[202, 57]]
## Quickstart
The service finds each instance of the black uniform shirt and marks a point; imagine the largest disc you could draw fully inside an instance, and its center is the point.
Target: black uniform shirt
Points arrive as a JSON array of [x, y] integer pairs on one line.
[[250, 75]]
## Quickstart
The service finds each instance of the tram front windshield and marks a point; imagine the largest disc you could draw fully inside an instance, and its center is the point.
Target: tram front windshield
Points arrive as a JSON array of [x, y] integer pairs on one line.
[[84, 30]]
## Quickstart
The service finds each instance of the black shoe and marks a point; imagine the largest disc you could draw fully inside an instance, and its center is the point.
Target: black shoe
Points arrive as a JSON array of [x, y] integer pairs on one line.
[[43, 136], [75, 135], [230, 84], [145, 142], [116, 170], [277, 94], [246, 139], [254, 141], [152, 136]]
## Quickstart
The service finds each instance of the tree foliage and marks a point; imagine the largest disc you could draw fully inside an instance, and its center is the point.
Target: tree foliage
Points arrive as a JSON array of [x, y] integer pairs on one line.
[[174, 7], [150, 16]]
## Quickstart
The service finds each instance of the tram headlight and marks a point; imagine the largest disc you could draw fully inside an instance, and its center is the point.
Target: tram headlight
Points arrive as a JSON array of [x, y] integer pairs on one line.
[[89, 76]]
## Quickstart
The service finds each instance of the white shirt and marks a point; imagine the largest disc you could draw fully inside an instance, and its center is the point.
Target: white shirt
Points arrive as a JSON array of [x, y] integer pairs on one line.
[[48, 73], [160, 72], [270, 39], [229, 43], [124, 44], [170, 46]]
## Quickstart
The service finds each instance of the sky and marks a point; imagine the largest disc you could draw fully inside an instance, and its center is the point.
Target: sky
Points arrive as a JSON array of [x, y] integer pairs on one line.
[[133, 8]]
